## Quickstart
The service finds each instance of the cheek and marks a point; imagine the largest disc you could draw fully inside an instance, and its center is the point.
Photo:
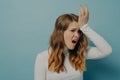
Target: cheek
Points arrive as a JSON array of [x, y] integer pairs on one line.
[[67, 36]]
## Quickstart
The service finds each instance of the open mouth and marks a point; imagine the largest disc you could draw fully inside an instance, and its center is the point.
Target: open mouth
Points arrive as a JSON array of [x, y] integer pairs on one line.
[[74, 41]]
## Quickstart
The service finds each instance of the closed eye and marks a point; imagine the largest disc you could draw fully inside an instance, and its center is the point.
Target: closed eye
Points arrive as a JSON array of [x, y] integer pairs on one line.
[[73, 30]]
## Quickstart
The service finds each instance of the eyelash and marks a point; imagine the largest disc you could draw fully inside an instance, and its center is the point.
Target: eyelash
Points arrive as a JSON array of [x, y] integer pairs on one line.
[[72, 30]]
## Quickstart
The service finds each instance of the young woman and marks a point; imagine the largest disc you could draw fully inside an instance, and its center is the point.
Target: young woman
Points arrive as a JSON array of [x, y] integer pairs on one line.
[[65, 59]]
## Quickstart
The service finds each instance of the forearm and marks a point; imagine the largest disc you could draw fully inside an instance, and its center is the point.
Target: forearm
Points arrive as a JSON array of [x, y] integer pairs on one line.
[[98, 40]]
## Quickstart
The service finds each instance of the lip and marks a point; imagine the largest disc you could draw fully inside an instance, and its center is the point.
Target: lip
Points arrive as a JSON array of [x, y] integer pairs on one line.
[[74, 43], [76, 40]]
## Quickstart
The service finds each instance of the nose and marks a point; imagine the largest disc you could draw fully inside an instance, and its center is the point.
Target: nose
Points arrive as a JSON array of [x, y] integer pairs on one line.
[[77, 34]]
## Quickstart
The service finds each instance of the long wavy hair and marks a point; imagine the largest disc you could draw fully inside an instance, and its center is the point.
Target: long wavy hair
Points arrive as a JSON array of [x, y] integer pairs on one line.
[[57, 44]]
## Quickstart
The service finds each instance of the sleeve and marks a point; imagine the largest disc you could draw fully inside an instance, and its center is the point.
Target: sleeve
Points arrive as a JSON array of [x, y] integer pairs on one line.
[[39, 72], [101, 49]]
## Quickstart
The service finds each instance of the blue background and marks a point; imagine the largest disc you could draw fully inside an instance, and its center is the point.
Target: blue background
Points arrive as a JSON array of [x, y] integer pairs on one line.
[[25, 27]]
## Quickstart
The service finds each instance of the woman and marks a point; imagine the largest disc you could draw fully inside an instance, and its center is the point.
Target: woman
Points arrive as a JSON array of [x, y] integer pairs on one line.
[[65, 59]]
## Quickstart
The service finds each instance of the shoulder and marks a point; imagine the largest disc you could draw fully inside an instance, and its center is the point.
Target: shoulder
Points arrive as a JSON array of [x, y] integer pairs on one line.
[[41, 61], [43, 56]]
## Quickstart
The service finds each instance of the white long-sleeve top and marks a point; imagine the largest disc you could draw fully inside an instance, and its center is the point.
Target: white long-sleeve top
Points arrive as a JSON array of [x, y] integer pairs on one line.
[[101, 49]]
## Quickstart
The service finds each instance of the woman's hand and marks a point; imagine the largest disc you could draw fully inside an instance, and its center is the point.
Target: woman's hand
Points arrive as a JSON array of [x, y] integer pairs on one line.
[[83, 16]]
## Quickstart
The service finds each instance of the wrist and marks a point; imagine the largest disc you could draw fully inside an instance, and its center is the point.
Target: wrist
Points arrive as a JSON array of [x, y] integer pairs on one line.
[[83, 27]]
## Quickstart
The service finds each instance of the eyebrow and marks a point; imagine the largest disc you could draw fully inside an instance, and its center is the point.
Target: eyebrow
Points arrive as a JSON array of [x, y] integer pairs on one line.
[[74, 28]]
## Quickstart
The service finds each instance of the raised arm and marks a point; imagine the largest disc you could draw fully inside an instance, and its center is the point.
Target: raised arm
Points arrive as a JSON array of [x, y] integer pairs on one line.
[[102, 48]]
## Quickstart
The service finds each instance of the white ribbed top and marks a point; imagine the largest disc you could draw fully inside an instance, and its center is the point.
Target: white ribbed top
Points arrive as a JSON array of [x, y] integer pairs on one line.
[[101, 49]]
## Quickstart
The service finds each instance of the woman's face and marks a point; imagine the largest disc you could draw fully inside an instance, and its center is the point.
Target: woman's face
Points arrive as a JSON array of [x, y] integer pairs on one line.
[[71, 35]]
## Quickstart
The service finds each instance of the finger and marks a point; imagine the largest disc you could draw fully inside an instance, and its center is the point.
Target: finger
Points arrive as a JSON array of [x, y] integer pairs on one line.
[[82, 11], [79, 9], [86, 11], [84, 8]]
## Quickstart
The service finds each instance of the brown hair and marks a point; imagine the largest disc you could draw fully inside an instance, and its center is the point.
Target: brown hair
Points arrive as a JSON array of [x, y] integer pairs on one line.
[[56, 58]]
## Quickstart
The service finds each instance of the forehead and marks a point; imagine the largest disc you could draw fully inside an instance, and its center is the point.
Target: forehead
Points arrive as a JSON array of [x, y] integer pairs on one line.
[[73, 24]]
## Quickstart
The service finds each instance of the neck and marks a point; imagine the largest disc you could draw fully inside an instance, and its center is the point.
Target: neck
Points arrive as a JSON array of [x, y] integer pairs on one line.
[[66, 51]]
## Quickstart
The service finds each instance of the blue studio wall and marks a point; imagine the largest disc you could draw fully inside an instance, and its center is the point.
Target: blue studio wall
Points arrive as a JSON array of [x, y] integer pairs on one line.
[[25, 27]]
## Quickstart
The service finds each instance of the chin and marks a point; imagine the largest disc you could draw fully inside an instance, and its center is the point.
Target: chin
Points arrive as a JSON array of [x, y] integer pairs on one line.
[[72, 48]]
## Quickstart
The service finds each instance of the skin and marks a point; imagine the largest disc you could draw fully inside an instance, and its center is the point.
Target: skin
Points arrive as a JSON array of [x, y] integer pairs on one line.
[[72, 32], [83, 16]]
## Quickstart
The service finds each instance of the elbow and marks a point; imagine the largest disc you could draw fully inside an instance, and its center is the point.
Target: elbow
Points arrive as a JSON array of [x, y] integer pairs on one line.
[[109, 50]]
